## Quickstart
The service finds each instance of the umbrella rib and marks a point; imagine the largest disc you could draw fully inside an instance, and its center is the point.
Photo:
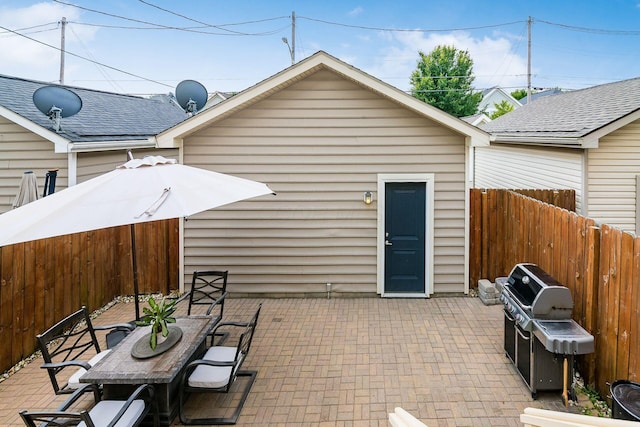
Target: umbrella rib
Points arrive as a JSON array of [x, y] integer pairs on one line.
[[151, 210]]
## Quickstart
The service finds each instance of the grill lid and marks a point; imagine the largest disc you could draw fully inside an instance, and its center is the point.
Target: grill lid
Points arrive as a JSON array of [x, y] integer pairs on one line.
[[539, 293]]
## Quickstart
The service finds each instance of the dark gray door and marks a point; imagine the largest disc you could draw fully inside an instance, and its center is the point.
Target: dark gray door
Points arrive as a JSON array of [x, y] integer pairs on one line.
[[405, 237]]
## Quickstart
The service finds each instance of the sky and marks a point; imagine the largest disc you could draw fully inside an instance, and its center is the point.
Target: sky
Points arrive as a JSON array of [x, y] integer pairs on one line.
[[148, 46]]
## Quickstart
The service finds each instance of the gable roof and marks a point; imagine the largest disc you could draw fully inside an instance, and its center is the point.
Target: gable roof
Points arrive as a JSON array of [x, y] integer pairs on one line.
[[106, 121], [493, 96], [572, 119], [320, 60]]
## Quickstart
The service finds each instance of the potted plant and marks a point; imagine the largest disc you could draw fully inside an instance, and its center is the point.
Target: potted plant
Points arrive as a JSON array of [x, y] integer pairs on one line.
[[158, 316]]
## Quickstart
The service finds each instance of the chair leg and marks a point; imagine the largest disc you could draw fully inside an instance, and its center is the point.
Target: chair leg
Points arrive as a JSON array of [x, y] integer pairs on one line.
[[233, 419]]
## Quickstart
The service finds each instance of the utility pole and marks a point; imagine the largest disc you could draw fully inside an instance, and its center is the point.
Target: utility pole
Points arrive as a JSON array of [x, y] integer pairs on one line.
[[529, 60], [293, 37], [292, 47], [63, 23]]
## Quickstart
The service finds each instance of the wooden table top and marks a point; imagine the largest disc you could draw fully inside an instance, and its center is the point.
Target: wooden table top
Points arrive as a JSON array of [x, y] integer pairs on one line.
[[119, 367]]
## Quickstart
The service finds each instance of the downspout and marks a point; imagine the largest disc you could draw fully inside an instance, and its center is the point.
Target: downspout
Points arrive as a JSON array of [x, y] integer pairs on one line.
[[181, 227], [469, 174], [72, 168]]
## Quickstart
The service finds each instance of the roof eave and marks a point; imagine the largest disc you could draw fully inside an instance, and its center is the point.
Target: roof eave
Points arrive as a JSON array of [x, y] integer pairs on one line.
[[171, 137], [60, 143]]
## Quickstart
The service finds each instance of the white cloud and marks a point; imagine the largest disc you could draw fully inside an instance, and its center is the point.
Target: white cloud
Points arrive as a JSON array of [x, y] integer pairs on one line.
[[494, 61], [24, 57], [357, 11]]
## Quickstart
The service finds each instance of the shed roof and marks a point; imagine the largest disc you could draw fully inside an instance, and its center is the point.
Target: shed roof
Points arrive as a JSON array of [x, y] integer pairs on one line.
[[105, 118], [577, 118]]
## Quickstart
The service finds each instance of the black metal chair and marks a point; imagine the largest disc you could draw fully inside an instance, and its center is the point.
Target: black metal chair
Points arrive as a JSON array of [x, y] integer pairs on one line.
[[209, 288], [130, 412], [218, 370], [70, 347]]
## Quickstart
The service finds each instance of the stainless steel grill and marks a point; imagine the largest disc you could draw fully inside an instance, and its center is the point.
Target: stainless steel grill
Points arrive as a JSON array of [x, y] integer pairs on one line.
[[540, 337]]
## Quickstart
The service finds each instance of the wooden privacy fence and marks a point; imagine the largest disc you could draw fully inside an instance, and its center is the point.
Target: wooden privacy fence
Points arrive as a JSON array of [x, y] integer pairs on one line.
[[600, 264], [45, 280]]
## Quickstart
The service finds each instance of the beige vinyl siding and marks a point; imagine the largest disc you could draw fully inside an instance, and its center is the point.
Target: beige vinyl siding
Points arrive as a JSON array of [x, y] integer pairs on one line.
[[503, 166], [93, 164], [612, 168], [319, 144], [20, 151]]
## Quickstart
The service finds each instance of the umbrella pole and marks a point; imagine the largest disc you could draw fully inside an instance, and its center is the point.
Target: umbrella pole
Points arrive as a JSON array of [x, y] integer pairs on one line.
[[134, 261]]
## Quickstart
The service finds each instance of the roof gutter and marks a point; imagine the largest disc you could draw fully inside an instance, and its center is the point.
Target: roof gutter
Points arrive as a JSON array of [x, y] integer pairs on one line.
[[92, 146], [567, 142]]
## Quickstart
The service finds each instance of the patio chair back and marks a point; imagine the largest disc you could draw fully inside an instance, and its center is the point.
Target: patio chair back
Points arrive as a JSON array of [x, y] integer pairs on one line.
[[72, 339], [70, 347], [209, 288]]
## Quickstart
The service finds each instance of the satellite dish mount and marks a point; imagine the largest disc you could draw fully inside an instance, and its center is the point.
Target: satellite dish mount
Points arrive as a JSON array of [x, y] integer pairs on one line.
[[55, 115]]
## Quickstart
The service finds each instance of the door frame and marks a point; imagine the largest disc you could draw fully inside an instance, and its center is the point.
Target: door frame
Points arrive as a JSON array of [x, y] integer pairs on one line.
[[428, 179]]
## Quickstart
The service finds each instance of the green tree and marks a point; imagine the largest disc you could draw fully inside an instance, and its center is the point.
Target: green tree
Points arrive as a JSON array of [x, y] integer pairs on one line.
[[502, 107], [444, 78], [519, 94]]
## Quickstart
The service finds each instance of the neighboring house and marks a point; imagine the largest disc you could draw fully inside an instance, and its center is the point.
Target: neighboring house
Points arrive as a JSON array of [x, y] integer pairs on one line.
[[322, 134], [218, 97], [90, 143], [493, 96], [587, 140], [477, 119], [542, 93]]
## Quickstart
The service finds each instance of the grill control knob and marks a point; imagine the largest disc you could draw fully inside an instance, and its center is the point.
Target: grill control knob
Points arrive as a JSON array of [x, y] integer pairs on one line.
[[519, 318]]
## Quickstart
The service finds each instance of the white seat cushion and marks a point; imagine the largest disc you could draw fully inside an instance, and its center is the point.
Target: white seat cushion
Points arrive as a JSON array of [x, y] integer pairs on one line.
[[102, 414], [74, 380], [214, 376]]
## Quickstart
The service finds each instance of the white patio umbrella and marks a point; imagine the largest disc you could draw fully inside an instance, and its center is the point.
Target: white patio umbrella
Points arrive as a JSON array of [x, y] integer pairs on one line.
[[141, 190], [27, 191]]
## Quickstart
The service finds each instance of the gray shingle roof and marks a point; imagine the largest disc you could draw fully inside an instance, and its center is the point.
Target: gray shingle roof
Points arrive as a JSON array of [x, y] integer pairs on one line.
[[570, 115], [104, 116]]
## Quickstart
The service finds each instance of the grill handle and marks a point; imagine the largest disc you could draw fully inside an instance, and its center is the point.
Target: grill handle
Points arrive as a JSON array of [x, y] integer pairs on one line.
[[526, 338], [526, 307]]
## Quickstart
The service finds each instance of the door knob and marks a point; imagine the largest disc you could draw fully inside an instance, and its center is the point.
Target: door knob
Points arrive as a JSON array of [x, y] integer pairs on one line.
[[388, 243]]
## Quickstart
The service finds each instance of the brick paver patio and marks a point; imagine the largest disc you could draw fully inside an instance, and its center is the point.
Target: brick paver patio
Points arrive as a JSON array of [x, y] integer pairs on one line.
[[351, 361]]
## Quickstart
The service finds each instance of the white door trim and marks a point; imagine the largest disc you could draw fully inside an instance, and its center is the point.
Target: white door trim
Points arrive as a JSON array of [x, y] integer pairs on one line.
[[428, 179]]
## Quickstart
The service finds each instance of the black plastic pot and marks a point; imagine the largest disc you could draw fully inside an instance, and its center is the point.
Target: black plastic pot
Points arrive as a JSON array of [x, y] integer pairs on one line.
[[625, 396]]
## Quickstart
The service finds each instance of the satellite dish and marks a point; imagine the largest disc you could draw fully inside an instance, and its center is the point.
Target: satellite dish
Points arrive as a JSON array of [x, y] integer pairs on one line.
[[191, 95], [56, 102]]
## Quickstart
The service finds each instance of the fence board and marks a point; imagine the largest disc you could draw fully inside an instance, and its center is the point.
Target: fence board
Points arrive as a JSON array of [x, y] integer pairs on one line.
[[634, 306], [18, 295], [592, 283], [624, 302], [28, 319]]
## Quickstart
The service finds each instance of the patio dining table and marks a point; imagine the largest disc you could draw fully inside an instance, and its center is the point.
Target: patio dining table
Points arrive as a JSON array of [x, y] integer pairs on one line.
[[120, 373]]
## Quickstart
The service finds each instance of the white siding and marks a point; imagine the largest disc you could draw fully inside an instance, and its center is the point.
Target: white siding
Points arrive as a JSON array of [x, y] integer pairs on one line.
[[502, 166], [20, 151], [612, 168], [320, 144]]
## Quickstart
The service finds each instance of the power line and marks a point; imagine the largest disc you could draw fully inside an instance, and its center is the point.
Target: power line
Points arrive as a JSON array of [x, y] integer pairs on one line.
[[593, 30], [157, 26], [86, 59], [409, 30], [185, 17]]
